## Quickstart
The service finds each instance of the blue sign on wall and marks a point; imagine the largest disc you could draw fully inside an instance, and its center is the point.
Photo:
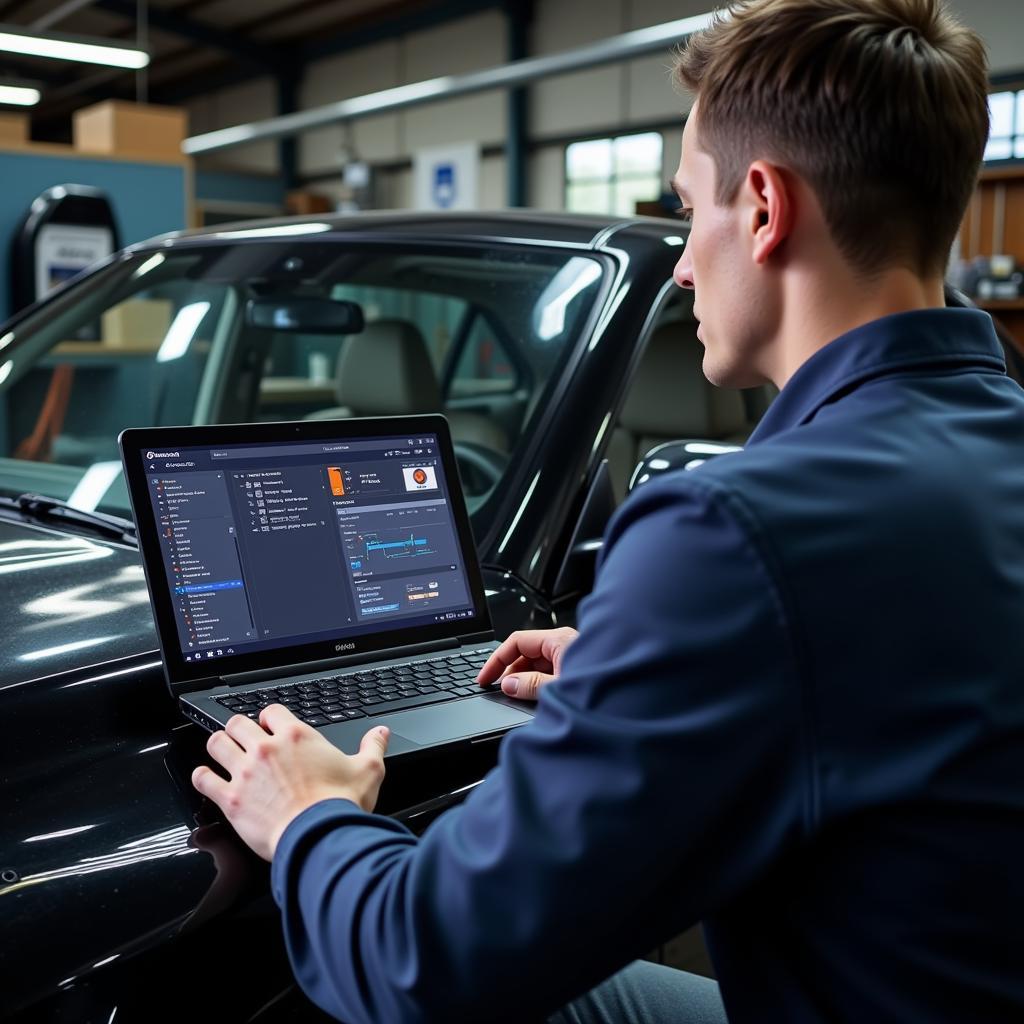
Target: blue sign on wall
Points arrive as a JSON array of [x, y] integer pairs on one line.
[[444, 185]]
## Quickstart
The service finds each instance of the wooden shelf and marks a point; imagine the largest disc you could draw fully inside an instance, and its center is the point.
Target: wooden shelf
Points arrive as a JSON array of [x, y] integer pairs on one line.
[[1008, 172], [1000, 304]]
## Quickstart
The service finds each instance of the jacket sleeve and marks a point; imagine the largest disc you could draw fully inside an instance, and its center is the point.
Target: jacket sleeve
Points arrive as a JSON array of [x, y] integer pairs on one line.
[[662, 772]]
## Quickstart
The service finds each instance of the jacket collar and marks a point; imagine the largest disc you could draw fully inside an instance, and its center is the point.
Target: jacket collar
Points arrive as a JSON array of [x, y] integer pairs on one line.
[[922, 338]]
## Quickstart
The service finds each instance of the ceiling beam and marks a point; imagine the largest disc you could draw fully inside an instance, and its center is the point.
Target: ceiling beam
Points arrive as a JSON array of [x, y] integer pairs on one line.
[[256, 56], [223, 76], [56, 14], [343, 36]]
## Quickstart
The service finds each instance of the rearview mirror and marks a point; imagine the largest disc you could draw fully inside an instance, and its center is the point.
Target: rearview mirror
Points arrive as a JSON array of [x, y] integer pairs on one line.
[[304, 315]]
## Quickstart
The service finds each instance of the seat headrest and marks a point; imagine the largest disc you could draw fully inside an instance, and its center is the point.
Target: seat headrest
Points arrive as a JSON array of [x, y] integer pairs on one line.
[[671, 397], [386, 371]]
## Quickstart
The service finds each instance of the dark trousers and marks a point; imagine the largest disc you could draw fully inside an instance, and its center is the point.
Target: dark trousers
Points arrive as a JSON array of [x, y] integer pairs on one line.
[[646, 993]]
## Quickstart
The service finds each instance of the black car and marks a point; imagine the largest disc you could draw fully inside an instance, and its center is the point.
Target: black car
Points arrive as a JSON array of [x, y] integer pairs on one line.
[[560, 351]]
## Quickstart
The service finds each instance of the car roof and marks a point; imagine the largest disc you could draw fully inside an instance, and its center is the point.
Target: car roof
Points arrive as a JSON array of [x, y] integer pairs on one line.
[[519, 225]]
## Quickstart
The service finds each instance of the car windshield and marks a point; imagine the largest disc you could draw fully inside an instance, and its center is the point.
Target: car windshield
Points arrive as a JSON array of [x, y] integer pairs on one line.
[[242, 330]]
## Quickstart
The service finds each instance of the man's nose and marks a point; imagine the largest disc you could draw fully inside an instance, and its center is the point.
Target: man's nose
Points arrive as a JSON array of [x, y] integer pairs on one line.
[[683, 274]]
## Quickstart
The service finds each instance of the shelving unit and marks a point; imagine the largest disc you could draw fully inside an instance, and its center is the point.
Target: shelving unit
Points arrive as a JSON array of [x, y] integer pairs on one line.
[[994, 223]]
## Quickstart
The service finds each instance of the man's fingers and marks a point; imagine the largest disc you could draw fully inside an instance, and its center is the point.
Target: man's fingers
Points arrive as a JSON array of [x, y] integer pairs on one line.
[[522, 644], [525, 685], [244, 731], [210, 784], [224, 750], [519, 665], [276, 718]]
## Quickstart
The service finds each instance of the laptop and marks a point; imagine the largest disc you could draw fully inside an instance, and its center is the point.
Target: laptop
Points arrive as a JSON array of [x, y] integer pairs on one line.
[[327, 565]]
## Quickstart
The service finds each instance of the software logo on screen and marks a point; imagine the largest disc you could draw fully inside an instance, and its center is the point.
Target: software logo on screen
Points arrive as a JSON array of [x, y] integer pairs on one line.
[[419, 478]]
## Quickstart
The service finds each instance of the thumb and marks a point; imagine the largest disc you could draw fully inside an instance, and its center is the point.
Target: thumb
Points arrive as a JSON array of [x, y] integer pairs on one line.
[[525, 685], [374, 744]]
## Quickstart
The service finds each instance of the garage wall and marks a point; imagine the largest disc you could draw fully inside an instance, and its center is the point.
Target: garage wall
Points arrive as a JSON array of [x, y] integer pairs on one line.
[[1001, 26], [637, 94]]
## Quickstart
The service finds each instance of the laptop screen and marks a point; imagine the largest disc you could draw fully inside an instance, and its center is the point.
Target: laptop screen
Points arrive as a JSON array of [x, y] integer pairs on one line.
[[287, 543]]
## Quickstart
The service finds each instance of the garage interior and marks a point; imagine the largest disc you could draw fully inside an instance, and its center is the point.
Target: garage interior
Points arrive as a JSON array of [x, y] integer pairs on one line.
[[226, 116]]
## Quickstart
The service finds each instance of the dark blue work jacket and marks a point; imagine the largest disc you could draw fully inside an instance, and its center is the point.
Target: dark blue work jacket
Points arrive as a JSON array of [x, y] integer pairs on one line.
[[795, 711]]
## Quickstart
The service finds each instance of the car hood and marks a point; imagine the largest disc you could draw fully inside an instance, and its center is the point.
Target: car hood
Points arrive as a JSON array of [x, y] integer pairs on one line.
[[21, 476], [71, 602], [68, 600]]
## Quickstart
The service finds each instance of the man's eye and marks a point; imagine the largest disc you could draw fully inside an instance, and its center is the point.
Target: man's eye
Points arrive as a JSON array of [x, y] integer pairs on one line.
[[685, 213]]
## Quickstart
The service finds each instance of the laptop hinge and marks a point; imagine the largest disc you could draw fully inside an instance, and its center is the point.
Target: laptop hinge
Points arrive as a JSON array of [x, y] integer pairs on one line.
[[477, 638], [255, 676]]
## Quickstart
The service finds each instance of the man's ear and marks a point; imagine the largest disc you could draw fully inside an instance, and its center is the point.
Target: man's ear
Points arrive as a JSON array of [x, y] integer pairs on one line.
[[770, 202]]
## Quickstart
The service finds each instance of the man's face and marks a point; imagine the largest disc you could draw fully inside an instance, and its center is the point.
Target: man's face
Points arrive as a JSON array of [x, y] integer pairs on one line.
[[732, 298]]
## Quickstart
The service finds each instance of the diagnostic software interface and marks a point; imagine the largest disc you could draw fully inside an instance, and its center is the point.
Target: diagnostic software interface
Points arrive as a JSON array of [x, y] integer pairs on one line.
[[291, 543]]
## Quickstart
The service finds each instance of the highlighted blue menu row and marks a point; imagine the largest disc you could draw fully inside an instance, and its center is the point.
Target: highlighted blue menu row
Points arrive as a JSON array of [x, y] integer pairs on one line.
[[195, 588], [378, 609]]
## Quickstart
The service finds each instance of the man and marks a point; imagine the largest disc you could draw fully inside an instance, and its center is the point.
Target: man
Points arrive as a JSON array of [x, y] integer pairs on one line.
[[795, 706]]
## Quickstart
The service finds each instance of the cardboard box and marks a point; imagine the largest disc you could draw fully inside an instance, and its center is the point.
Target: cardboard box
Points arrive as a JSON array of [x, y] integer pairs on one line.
[[14, 128], [305, 203], [118, 128], [137, 323]]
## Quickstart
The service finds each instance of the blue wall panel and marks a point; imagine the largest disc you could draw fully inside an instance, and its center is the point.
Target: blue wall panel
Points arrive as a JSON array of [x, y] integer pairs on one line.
[[148, 198], [239, 188]]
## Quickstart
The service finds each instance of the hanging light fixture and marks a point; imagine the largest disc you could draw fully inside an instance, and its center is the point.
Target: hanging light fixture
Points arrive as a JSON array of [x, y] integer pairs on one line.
[[17, 93], [58, 46]]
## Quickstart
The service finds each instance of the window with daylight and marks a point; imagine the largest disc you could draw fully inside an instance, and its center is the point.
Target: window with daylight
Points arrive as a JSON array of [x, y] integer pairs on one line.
[[1006, 133], [613, 175]]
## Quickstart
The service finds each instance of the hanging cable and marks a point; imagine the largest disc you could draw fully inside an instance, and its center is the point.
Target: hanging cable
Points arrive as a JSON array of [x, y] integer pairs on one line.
[[142, 41]]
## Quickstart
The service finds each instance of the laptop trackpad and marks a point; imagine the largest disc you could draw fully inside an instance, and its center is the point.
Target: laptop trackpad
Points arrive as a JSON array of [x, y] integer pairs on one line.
[[424, 727], [444, 722]]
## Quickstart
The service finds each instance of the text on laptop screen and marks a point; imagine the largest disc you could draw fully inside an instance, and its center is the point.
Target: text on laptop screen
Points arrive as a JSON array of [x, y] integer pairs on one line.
[[291, 543]]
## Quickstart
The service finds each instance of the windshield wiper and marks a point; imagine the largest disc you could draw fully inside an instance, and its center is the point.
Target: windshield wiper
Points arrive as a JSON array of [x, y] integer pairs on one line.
[[39, 506]]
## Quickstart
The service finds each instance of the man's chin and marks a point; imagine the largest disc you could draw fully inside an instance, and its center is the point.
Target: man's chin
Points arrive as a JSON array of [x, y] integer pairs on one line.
[[727, 375]]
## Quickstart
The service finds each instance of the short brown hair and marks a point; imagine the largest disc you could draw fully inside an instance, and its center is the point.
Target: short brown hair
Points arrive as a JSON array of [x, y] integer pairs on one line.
[[880, 105]]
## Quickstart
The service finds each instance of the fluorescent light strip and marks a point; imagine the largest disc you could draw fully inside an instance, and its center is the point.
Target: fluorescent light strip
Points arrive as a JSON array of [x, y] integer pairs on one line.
[[19, 95], [72, 49]]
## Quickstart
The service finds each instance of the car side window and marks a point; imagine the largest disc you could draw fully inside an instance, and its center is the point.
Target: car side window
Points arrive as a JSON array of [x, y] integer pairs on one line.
[[483, 366], [140, 361]]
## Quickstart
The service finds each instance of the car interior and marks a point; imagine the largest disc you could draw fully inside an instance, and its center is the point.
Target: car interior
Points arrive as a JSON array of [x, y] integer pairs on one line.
[[670, 399]]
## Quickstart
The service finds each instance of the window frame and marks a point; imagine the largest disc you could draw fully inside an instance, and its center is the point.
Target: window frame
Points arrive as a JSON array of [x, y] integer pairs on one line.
[[1011, 83], [614, 177], [524, 374]]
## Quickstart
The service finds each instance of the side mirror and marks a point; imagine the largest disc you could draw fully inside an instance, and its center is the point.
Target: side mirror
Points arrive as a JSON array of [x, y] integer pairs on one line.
[[673, 455], [305, 315]]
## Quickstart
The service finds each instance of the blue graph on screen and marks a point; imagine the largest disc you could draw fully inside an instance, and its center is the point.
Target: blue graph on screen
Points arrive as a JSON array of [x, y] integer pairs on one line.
[[390, 547]]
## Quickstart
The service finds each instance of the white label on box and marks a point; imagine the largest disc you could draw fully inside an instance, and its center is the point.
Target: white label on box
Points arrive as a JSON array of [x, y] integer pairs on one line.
[[64, 250]]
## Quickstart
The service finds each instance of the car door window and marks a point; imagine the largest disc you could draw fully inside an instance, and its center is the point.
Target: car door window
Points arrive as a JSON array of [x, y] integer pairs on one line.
[[484, 365]]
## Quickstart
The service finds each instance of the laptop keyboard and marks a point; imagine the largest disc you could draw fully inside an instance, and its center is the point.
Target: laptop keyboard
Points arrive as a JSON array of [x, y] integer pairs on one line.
[[369, 692]]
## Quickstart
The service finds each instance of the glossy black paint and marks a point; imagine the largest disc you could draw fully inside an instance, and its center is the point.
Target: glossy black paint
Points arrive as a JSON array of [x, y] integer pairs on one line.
[[110, 893]]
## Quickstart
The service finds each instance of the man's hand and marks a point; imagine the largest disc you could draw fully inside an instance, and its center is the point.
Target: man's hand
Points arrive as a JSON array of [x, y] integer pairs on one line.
[[527, 660], [279, 770]]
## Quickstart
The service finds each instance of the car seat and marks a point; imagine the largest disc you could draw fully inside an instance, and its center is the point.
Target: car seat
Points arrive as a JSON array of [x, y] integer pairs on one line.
[[669, 399], [386, 371]]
